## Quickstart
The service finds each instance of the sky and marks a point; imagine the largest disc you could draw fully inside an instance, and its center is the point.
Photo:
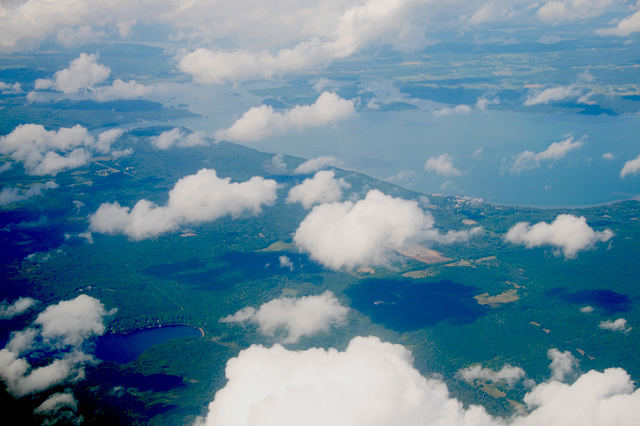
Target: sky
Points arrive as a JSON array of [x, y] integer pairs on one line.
[[279, 76]]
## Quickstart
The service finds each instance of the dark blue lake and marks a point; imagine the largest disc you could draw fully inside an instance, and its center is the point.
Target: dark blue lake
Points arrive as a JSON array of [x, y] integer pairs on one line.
[[124, 348], [406, 305]]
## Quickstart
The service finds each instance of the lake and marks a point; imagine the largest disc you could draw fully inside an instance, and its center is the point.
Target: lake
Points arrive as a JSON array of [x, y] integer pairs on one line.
[[124, 348], [395, 145]]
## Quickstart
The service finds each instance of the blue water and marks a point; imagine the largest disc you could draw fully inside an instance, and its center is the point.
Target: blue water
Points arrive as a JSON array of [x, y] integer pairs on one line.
[[406, 305], [124, 348], [609, 301], [481, 143]]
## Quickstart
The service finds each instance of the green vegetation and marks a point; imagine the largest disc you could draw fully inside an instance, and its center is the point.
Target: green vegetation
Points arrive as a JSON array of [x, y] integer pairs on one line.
[[198, 275]]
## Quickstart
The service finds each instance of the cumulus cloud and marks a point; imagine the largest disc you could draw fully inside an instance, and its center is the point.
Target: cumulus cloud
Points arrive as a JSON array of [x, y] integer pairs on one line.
[[569, 10], [86, 75], [443, 165], [451, 236], [586, 309], [631, 167], [602, 398], [20, 306], [627, 26], [60, 330], [261, 122], [202, 197], [618, 325], [569, 233], [70, 322], [353, 28], [48, 152], [61, 408], [315, 164], [177, 137], [323, 187], [21, 379], [370, 383], [373, 383], [483, 103], [14, 195], [608, 156], [83, 73], [507, 374], [458, 109], [292, 318], [56, 402], [285, 262], [105, 139], [365, 233], [552, 94], [563, 364], [528, 160], [6, 88], [369, 232], [313, 32], [121, 90]]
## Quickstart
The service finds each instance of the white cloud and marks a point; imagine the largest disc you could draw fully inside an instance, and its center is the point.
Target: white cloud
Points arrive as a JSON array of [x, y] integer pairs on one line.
[[451, 236], [83, 34], [44, 152], [344, 30], [458, 109], [308, 34], [618, 325], [528, 160], [552, 94], [373, 383], [598, 398], [18, 307], [369, 232], [121, 90], [14, 195], [10, 88], [177, 137], [403, 175], [70, 322], [315, 164], [608, 156], [202, 197], [105, 139], [347, 235], [568, 10], [323, 187], [370, 383], [60, 331], [507, 374], [56, 402], [261, 122], [586, 309], [295, 317], [569, 233], [443, 165], [563, 364], [483, 103], [285, 262], [83, 73], [629, 25], [21, 379], [86, 75], [23, 340], [631, 167]]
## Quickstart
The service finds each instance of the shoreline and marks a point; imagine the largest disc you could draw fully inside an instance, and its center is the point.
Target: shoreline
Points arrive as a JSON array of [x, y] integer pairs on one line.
[[560, 207]]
